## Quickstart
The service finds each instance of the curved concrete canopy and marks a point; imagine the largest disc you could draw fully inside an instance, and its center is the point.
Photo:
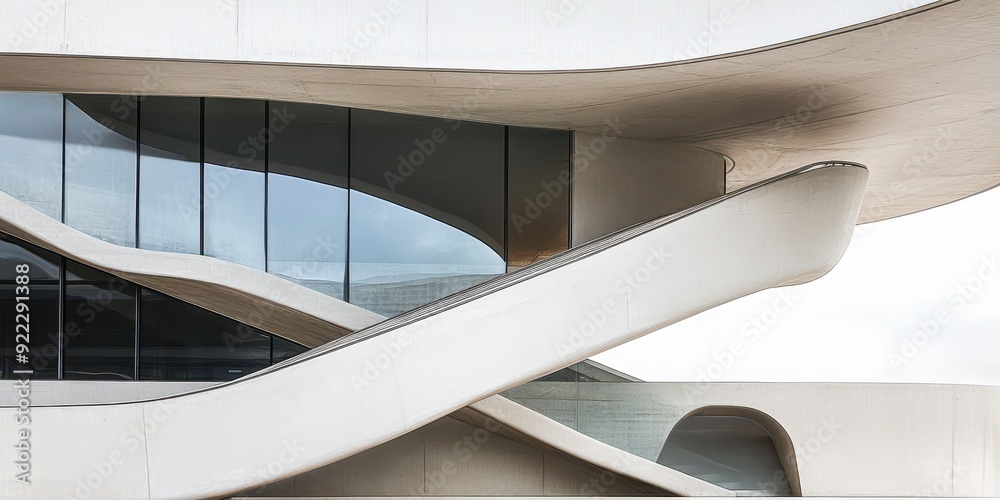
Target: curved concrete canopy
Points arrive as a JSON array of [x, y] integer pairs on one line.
[[239, 292], [539, 35], [910, 96], [788, 230]]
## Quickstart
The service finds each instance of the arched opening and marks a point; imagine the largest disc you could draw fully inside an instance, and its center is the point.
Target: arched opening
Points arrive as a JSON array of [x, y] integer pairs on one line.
[[737, 448]]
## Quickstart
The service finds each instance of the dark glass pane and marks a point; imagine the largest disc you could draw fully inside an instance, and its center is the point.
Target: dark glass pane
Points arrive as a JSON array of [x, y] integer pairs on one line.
[[307, 196], [31, 149], [733, 452], [282, 349], [179, 341], [538, 222], [170, 174], [99, 332], [427, 208], [402, 259], [41, 309], [234, 180], [101, 166]]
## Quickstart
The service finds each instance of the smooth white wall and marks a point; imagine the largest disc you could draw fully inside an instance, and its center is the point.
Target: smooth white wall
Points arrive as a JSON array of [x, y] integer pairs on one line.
[[455, 34], [619, 181]]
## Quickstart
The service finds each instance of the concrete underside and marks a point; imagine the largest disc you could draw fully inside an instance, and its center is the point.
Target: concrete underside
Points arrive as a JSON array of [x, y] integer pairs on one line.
[[911, 97]]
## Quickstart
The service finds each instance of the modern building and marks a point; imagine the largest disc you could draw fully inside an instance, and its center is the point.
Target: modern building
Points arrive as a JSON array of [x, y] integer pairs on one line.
[[365, 249]]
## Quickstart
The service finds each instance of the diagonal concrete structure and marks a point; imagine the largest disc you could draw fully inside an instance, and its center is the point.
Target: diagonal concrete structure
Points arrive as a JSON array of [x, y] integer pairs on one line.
[[669, 249]]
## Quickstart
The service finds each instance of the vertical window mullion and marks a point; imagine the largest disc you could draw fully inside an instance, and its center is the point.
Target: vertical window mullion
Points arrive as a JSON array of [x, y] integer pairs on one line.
[[506, 198], [138, 167], [569, 189], [62, 317], [201, 187], [267, 141], [347, 252], [62, 203]]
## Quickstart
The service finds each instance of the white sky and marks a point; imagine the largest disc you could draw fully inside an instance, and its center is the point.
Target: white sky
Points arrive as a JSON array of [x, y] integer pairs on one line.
[[852, 324]]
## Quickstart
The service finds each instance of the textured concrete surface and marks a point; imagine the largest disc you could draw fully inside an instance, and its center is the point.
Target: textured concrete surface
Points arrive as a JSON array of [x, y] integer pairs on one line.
[[450, 457], [909, 97], [618, 181], [848, 439]]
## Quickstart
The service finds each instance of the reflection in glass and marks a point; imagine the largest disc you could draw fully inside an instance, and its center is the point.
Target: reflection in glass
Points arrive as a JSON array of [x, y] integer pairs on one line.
[[434, 188], [170, 174], [307, 196], [538, 191], [31, 149], [41, 309], [401, 259], [282, 349], [179, 341], [234, 180], [427, 208], [452, 171], [101, 167], [99, 332]]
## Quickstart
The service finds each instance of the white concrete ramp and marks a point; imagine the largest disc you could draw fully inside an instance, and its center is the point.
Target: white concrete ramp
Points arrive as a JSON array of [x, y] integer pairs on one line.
[[383, 381]]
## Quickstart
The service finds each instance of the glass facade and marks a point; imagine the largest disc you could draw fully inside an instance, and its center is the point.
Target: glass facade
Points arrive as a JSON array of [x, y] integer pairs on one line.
[[31, 142], [29, 309], [170, 174], [384, 210], [100, 167], [179, 341], [99, 327], [102, 317], [235, 144], [427, 208], [538, 195], [307, 196]]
